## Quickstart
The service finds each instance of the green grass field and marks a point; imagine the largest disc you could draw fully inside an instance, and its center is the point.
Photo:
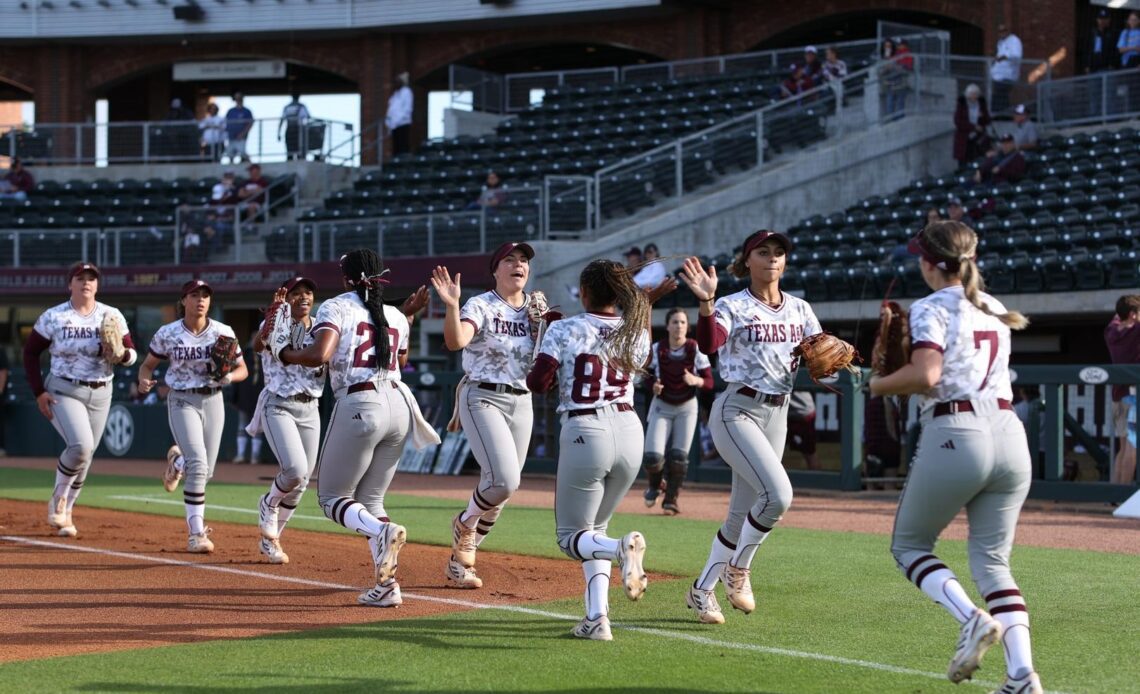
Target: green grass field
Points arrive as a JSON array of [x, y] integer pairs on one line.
[[834, 615]]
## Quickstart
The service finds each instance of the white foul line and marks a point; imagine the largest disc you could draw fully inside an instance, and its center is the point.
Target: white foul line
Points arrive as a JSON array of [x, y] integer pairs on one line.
[[692, 638]]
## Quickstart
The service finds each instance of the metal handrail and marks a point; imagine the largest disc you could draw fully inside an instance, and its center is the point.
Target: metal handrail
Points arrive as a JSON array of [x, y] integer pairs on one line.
[[1098, 97]]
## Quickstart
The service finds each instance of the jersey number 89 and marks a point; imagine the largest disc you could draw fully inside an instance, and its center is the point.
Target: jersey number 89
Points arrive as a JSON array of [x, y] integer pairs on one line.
[[588, 375]]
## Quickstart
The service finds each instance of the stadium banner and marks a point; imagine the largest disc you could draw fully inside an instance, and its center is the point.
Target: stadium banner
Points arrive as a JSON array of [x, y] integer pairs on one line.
[[136, 280], [229, 69]]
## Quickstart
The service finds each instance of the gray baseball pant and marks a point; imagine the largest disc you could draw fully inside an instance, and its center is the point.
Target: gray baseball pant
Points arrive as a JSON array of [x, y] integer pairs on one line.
[[196, 422], [293, 431], [598, 458], [79, 415], [670, 427], [498, 426]]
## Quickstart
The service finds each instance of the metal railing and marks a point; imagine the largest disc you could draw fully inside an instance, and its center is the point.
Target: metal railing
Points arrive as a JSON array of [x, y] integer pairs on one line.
[[1087, 99], [267, 140], [1001, 97]]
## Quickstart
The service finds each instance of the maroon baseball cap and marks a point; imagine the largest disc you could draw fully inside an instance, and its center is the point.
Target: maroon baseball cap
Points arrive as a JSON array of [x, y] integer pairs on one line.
[[505, 250], [81, 267], [763, 235], [194, 285], [916, 246], [291, 284]]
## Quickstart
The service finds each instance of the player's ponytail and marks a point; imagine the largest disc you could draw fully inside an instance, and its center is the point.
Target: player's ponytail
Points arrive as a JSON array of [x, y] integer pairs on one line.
[[609, 283], [364, 271], [957, 245]]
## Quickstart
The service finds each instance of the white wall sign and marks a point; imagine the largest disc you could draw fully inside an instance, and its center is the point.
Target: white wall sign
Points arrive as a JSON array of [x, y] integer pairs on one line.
[[230, 69]]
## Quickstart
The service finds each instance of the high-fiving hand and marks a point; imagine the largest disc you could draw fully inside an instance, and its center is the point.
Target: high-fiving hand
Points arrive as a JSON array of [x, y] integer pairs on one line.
[[702, 282], [446, 287]]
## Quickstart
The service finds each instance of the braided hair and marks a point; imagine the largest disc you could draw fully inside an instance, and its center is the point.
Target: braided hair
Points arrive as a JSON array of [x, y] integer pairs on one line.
[[607, 282], [958, 244], [364, 271]]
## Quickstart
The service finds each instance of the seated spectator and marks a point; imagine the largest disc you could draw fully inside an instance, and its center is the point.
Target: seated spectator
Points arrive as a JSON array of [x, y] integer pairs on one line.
[[955, 212], [252, 191], [633, 258], [213, 128], [493, 194], [652, 272], [797, 83], [813, 68], [178, 112], [971, 118], [933, 215], [225, 192], [17, 183], [1006, 165], [1025, 131]]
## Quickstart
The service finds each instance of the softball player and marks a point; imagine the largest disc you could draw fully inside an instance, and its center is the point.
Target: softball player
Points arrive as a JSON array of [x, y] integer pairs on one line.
[[972, 453], [494, 331], [77, 396], [755, 331], [591, 356], [677, 370], [365, 344], [288, 414], [195, 407]]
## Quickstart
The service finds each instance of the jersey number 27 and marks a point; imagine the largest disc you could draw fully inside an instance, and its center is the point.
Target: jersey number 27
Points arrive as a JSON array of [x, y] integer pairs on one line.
[[364, 357]]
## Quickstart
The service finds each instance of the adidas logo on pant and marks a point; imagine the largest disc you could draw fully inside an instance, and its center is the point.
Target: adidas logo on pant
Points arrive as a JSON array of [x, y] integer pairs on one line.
[[949, 445], [579, 440]]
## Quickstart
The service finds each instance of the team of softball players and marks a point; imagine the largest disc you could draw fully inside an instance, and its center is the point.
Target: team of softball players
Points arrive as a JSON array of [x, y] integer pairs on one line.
[[972, 452]]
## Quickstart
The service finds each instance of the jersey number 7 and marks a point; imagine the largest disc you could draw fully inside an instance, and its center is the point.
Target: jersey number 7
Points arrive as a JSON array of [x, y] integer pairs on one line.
[[364, 357], [991, 337]]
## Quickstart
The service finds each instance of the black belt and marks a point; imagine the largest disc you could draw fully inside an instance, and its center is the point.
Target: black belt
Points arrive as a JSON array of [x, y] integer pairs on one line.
[[366, 385], [298, 397], [204, 390], [955, 406], [503, 388], [88, 384], [620, 407], [776, 399]]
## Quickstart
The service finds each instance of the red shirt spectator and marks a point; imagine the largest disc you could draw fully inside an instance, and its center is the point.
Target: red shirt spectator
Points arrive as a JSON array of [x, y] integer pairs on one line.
[[18, 183]]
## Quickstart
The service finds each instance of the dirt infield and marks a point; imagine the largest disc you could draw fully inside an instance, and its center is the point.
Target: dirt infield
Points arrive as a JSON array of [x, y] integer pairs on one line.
[[60, 602]]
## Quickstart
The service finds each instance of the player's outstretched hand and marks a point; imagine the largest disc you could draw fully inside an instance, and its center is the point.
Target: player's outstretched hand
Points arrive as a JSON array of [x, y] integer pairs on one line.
[[702, 282], [667, 286], [44, 401], [446, 287], [416, 302]]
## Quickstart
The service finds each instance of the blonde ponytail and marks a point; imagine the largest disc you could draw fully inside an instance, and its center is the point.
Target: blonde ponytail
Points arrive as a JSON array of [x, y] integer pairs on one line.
[[949, 239]]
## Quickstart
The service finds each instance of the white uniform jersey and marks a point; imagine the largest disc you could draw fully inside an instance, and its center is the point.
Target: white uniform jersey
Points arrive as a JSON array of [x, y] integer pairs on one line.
[[700, 361], [503, 343], [75, 340], [974, 346], [189, 354], [758, 350], [585, 378], [290, 379], [355, 358]]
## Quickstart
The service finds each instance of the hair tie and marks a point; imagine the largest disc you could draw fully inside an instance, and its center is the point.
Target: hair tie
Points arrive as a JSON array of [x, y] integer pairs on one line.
[[964, 258]]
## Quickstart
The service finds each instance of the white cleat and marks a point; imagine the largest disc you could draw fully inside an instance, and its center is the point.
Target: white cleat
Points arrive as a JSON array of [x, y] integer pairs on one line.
[[976, 637], [461, 576], [386, 550], [738, 588], [631, 558], [171, 475], [68, 530], [200, 543], [705, 604], [272, 550], [463, 542], [594, 629], [386, 595], [57, 512], [267, 518], [1029, 684]]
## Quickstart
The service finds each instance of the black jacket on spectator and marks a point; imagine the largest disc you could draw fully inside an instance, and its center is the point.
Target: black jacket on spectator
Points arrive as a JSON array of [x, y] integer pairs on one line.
[[1107, 58]]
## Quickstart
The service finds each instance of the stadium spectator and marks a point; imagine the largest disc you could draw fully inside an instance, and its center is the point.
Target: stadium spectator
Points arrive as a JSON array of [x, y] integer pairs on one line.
[[239, 121], [955, 212], [294, 118], [1122, 336], [813, 68], [252, 194], [219, 227], [398, 120], [1006, 165], [633, 257], [1025, 130], [4, 369], [1102, 49], [244, 396], [493, 193], [801, 427], [796, 83], [1006, 67], [1128, 45], [178, 112], [971, 119], [17, 183], [834, 70], [652, 272], [895, 66], [213, 133], [933, 215]]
